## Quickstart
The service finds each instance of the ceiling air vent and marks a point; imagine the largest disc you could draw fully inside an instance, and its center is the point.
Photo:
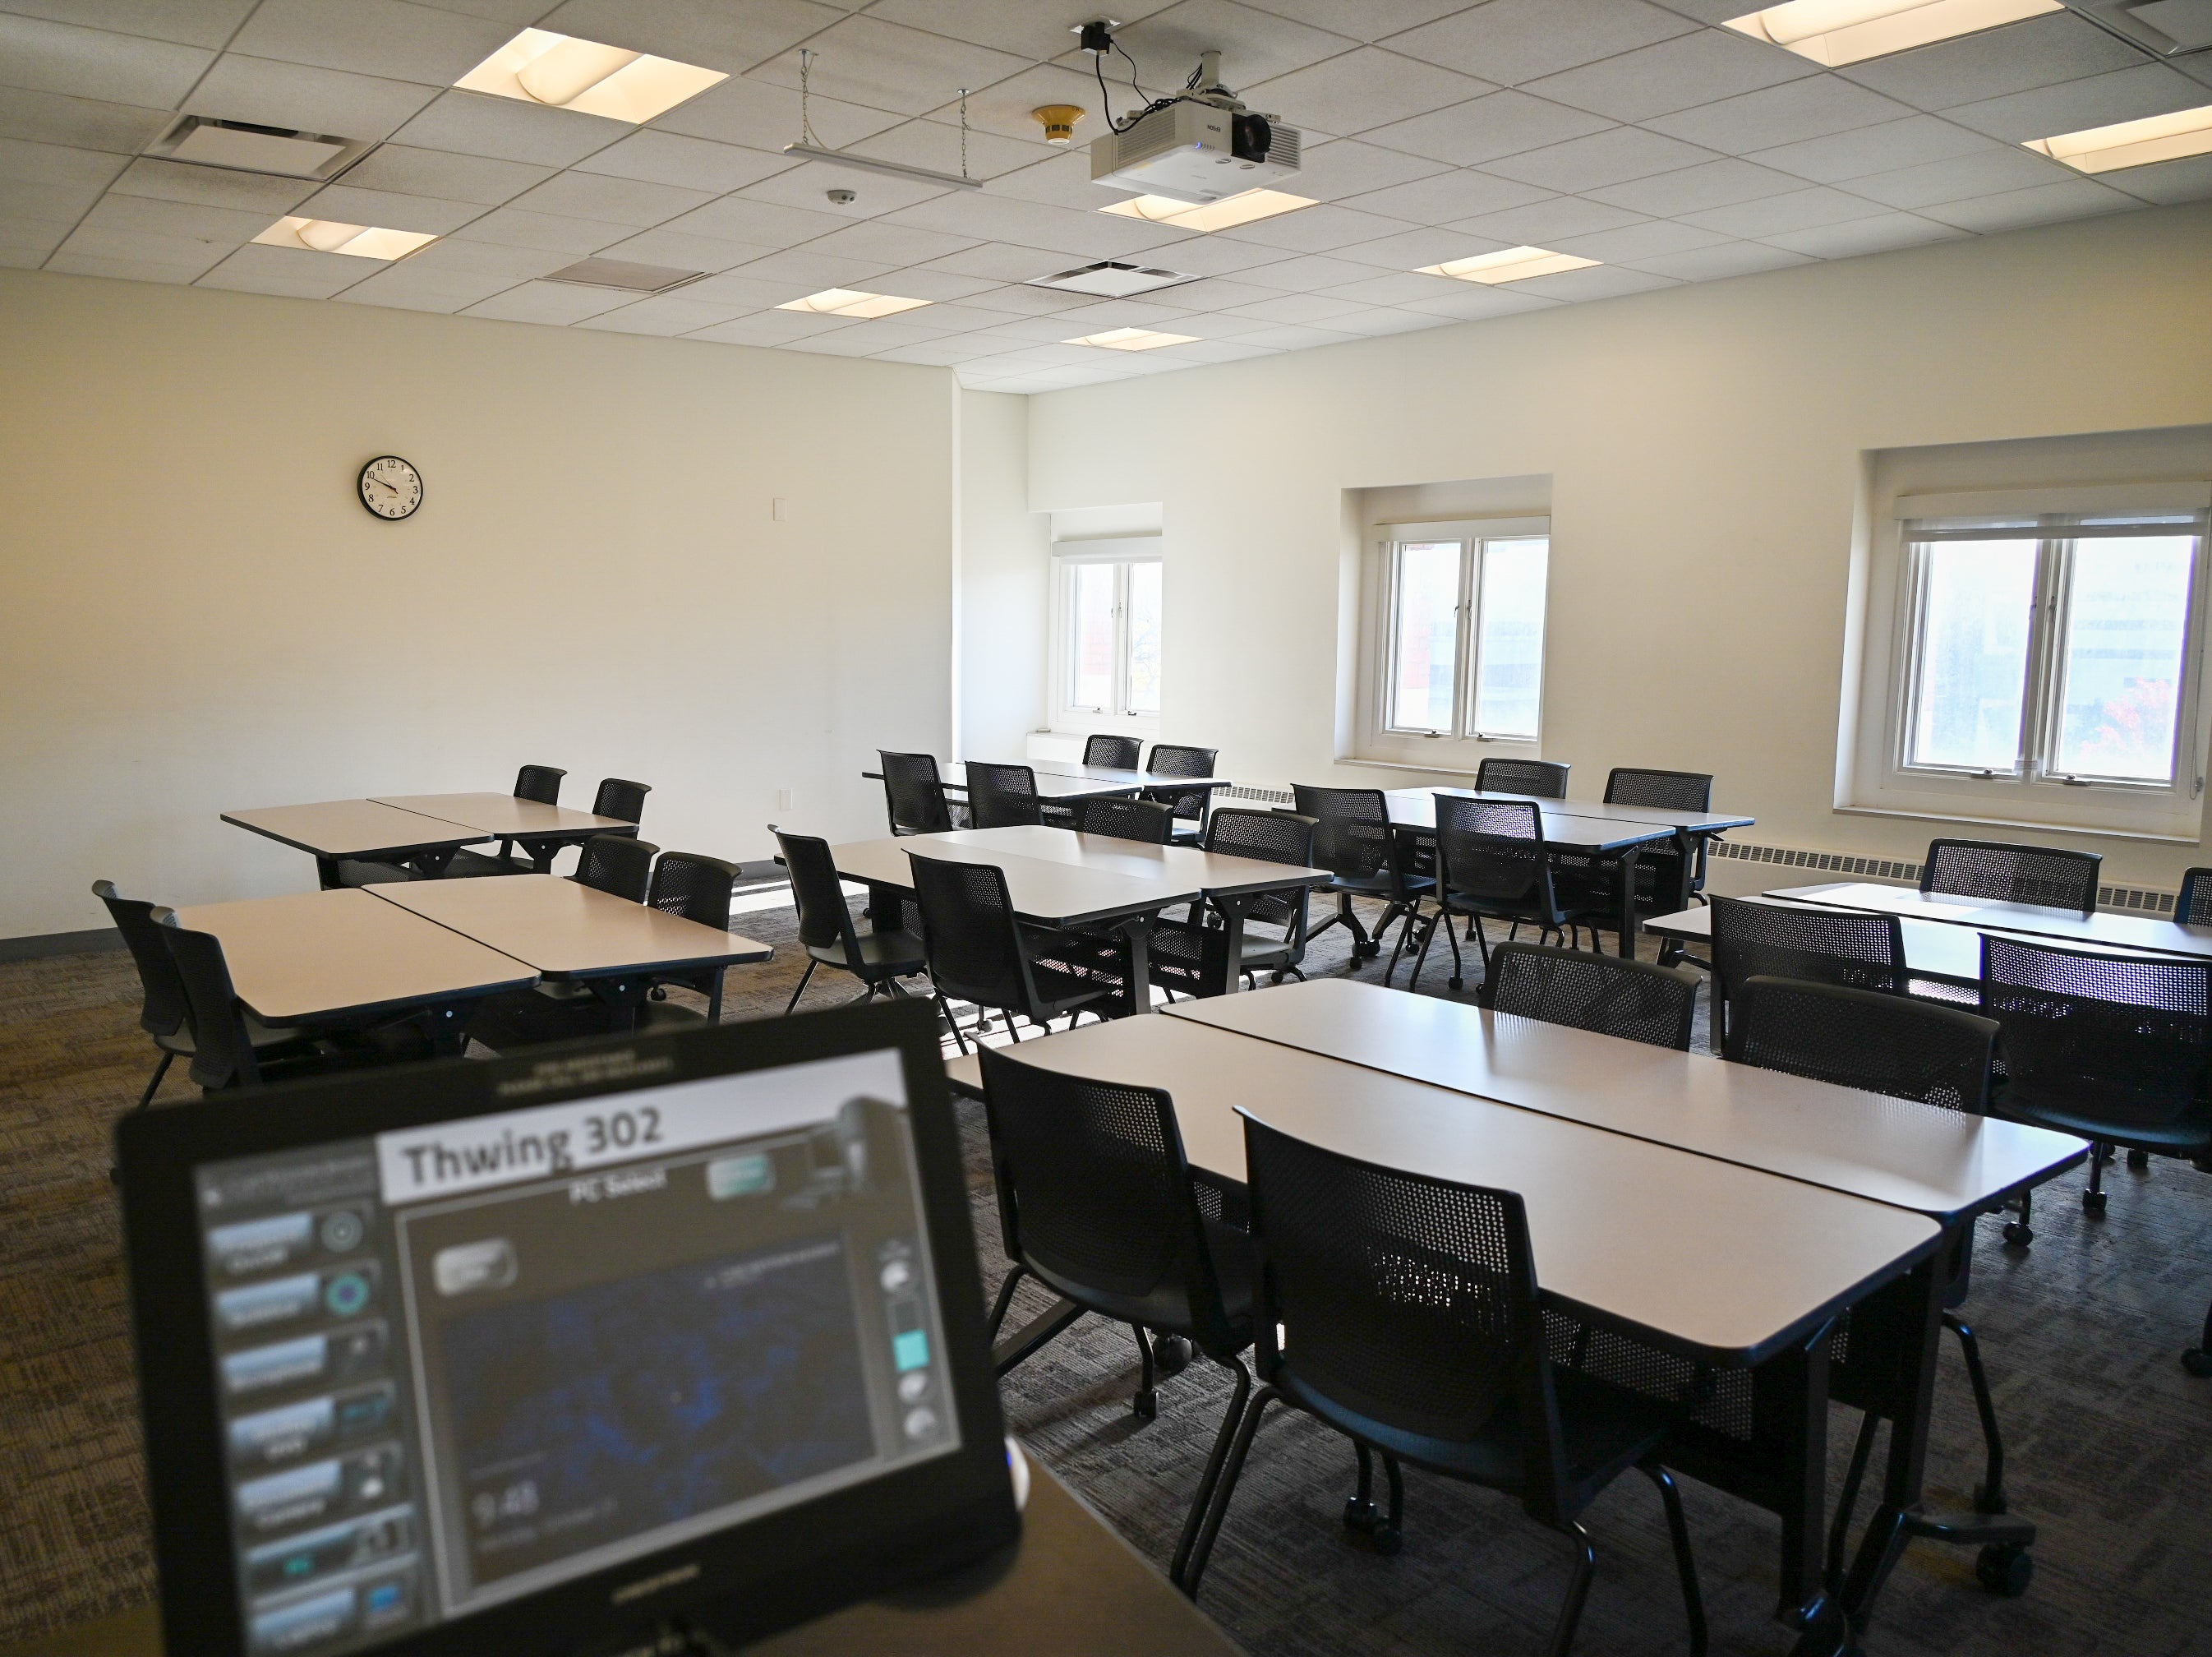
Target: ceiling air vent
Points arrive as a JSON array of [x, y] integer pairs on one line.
[[2167, 29], [621, 273], [241, 147], [1110, 280]]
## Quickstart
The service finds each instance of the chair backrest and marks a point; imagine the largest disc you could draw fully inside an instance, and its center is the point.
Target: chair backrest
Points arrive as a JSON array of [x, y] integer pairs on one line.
[[968, 932], [2194, 906], [1127, 819], [619, 863], [1272, 836], [1493, 850], [695, 885], [166, 1009], [1848, 946], [222, 1052], [913, 794], [619, 797], [1608, 994], [1120, 752], [824, 920], [1100, 1190], [1171, 760], [2122, 1039], [1541, 778], [1863, 1039], [1401, 1302], [2005, 873], [1002, 796], [1351, 831], [543, 784], [1627, 785]]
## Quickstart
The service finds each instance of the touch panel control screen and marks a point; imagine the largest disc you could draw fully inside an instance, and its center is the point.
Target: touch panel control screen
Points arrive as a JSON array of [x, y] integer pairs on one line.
[[465, 1362]]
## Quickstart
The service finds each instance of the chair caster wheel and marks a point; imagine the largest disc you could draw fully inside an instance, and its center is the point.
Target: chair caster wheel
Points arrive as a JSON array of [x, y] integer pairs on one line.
[[1385, 1539], [2092, 1205], [1359, 1514], [1988, 1501], [1367, 951], [2139, 1160], [1457, 983], [2197, 1362], [1171, 1354], [1145, 1406], [2017, 1235], [2005, 1570]]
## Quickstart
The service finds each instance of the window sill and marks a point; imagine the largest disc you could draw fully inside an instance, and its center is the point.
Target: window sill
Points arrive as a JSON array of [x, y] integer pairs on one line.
[[2015, 823], [1406, 765]]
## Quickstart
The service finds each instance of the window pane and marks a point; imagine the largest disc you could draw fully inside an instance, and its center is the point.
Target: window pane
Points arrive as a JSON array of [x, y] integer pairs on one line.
[[1508, 673], [2130, 604], [1973, 653], [1425, 636], [1091, 638], [1144, 639]]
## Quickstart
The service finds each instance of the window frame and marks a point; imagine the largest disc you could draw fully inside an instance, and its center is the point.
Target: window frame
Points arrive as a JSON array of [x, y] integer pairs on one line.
[[1121, 552], [1465, 744]]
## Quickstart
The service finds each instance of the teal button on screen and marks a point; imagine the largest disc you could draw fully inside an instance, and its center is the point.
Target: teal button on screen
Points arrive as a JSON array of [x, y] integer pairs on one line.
[[911, 1350]]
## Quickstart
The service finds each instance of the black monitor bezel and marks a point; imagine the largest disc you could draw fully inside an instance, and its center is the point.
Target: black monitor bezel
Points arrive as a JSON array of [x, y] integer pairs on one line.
[[910, 1523]]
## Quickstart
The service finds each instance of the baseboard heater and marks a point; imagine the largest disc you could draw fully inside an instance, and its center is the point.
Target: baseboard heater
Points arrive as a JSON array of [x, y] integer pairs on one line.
[[2142, 900]]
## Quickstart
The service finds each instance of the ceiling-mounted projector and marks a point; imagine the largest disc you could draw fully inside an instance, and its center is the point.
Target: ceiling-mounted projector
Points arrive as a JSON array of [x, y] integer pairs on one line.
[[1198, 146]]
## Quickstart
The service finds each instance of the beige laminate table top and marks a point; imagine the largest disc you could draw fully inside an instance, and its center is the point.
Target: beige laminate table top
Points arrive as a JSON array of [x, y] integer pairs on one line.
[[504, 814], [321, 955], [1042, 890], [2145, 932], [1214, 872], [1724, 1261], [1896, 1151], [567, 930], [353, 828]]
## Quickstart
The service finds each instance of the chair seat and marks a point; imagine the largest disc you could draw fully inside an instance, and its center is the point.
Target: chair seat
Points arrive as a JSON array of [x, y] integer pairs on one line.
[[1166, 1308], [2109, 1119], [1381, 886], [472, 865], [882, 954]]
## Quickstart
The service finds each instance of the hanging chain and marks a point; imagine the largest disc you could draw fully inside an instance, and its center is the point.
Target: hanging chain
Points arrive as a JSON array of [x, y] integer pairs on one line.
[[805, 125], [963, 132]]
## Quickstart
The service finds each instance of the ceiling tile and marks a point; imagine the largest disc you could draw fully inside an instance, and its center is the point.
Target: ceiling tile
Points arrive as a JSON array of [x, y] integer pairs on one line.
[[1483, 129], [712, 33], [459, 258], [689, 163], [547, 301], [766, 224], [997, 260], [1309, 274], [1317, 229], [242, 89], [1716, 183], [934, 143], [415, 172], [1032, 328], [1364, 20], [1012, 300], [85, 63], [681, 251], [175, 218], [1638, 244], [2000, 168], [1774, 216], [1448, 195], [807, 187], [618, 201], [57, 205], [392, 211], [1210, 256], [770, 328], [1294, 338], [764, 117], [116, 240], [1298, 308], [25, 163], [919, 282], [990, 218], [1254, 46], [412, 286], [865, 60], [1879, 148], [1402, 287], [667, 315], [1727, 259], [807, 272], [1357, 89], [2043, 204], [742, 294], [293, 272], [476, 124], [1409, 250], [1614, 157], [1878, 234], [1674, 74], [217, 187], [1226, 293], [1349, 167], [386, 37], [1541, 223], [1002, 109], [1061, 180], [70, 262], [550, 232], [1595, 281], [1037, 28], [1388, 320], [1809, 108], [515, 14], [1510, 41], [1474, 301], [24, 244], [189, 23], [2189, 180], [2038, 51], [891, 245], [865, 339], [85, 123], [2125, 95]]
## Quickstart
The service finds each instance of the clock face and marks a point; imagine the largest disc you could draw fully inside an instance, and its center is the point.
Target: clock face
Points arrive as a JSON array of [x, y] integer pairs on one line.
[[390, 487]]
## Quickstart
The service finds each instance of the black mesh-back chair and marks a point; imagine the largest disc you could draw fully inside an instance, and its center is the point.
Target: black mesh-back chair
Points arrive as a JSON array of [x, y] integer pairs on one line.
[[1148, 820], [1884, 1043], [697, 888], [826, 932], [2193, 907], [1852, 947], [1608, 993], [978, 953], [2004, 872], [231, 1048], [914, 796], [1098, 1203], [1659, 873], [620, 798], [1192, 955], [2116, 1048], [617, 863], [1492, 864], [1002, 796], [1119, 754], [539, 782], [1401, 1310], [1354, 842], [1192, 810], [1544, 778]]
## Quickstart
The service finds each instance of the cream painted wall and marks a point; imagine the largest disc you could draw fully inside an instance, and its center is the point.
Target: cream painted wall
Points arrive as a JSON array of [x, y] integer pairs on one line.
[[196, 613], [1005, 572], [1704, 444]]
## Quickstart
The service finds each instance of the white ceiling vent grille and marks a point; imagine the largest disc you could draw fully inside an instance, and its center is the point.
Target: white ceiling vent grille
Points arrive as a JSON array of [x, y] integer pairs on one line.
[[1110, 280], [621, 273], [241, 147]]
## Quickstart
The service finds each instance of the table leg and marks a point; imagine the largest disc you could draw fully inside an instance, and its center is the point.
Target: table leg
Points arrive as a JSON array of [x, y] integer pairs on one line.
[[1138, 929], [433, 862], [327, 873], [1674, 902], [1232, 919], [1628, 902], [886, 907], [1915, 1339], [1791, 1412]]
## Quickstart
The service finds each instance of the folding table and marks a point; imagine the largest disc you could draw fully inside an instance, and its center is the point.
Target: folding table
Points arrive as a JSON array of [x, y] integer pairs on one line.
[[344, 831], [2115, 927], [541, 829]]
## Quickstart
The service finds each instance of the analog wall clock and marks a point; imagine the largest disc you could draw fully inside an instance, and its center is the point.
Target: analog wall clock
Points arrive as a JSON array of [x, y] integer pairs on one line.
[[390, 487]]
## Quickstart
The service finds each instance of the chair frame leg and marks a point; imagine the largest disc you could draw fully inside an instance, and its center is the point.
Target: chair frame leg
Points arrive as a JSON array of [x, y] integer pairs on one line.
[[1005, 1299], [1570, 1608], [154, 1087], [803, 979], [1210, 1480], [944, 1012], [1990, 1498], [1224, 1489], [1686, 1564]]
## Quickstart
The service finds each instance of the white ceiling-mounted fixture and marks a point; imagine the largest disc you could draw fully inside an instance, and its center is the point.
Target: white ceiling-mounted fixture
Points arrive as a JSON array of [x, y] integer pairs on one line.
[[2170, 28], [809, 148], [330, 237], [1508, 265], [540, 67], [242, 147], [623, 274], [2131, 143], [1839, 32], [1111, 279], [1199, 146], [852, 303], [1248, 207], [1131, 339]]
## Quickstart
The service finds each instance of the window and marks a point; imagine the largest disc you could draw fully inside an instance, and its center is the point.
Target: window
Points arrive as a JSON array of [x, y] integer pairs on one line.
[[2053, 650], [1107, 643], [1463, 639]]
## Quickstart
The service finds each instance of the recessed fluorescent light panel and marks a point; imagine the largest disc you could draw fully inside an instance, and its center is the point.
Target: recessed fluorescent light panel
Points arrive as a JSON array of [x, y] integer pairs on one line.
[[1131, 339], [2131, 143], [540, 67], [1839, 32], [1111, 279], [1224, 215], [1508, 265], [329, 236], [851, 301]]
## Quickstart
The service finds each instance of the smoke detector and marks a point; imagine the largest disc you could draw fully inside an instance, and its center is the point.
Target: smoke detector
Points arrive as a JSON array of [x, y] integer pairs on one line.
[[1109, 279], [1059, 121], [242, 147]]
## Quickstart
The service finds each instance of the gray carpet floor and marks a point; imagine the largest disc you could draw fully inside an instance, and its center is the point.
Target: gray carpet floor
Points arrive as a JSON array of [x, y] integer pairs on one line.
[[2111, 1442]]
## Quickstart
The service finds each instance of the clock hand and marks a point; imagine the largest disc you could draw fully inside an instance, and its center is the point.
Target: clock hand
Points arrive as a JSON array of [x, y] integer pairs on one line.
[[385, 487]]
